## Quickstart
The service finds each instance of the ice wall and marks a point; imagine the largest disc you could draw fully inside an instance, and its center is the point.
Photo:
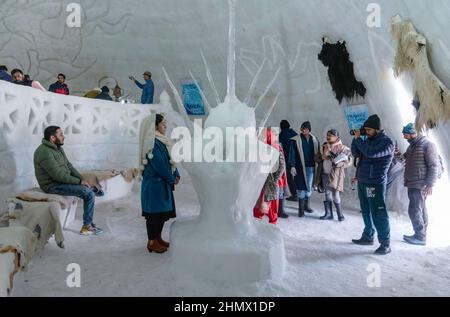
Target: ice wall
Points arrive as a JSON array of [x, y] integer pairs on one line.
[[99, 134]]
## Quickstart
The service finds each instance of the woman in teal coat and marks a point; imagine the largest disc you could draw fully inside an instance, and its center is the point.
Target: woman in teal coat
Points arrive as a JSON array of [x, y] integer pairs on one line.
[[160, 176]]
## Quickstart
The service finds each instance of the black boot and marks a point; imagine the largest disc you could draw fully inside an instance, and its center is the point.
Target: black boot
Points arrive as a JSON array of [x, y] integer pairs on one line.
[[328, 211], [384, 248], [281, 213], [301, 207], [339, 212], [308, 207], [365, 240]]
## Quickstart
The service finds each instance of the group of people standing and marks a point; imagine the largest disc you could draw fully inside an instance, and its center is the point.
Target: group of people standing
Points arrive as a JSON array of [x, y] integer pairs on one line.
[[305, 166]]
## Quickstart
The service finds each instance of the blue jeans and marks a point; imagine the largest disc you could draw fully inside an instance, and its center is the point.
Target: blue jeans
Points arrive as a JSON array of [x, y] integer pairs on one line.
[[373, 206], [79, 191], [302, 194]]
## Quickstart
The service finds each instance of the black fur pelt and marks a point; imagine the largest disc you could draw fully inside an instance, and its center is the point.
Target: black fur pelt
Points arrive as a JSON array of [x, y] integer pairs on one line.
[[340, 71]]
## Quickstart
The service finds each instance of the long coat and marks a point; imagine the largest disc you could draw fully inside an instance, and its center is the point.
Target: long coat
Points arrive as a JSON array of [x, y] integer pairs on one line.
[[337, 176], [296, 159], [158, 182]]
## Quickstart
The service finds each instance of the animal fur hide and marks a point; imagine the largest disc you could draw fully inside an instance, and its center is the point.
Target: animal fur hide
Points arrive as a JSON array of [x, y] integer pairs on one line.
[[17, 247], [432, 95], [340, 71]]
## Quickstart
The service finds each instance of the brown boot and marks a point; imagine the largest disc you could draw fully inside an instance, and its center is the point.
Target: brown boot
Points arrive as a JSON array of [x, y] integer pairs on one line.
[[162, 242], [154, 246]]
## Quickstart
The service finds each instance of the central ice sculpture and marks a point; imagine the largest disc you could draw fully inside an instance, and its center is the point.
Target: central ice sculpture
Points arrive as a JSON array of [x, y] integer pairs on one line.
[[225, 244]]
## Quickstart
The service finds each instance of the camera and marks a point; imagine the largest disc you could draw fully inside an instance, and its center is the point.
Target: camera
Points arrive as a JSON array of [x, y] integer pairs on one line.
[[362, 130]]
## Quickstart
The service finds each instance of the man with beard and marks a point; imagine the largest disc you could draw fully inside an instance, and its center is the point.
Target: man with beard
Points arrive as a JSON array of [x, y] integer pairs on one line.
[[56, 175], [375, 156], [421, 174]]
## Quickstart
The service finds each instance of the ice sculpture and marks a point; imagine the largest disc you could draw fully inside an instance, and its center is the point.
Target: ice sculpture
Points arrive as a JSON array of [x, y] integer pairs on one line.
[[225, 245]]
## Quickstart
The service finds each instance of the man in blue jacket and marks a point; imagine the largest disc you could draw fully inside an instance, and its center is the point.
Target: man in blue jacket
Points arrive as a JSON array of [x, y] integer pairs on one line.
[[4, 74], [375, 156], [148, 89]]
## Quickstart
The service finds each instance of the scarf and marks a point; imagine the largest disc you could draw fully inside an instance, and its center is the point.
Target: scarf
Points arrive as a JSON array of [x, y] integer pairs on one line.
[[168, 143], [337, 148]]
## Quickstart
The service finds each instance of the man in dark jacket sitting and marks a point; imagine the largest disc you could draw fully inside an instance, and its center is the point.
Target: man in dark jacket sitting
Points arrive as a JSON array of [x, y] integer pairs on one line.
[[104, 94], [375, 156], [56, 175], [421, 173]]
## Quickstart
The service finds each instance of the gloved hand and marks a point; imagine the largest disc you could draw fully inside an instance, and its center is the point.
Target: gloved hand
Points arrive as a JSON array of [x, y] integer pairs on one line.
[[293, 171]]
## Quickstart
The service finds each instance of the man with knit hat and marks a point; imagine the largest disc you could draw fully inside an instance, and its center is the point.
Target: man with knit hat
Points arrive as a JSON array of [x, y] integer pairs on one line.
[[421, 173], [375, 156], [303, 151]]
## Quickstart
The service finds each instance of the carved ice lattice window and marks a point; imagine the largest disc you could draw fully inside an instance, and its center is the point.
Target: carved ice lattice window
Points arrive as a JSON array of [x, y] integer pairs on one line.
[[74, 116], [39, 116], [129, 122], [10, 113]]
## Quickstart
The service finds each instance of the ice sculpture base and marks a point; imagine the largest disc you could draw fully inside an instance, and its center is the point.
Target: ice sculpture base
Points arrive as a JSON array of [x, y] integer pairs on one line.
[[241, 259]]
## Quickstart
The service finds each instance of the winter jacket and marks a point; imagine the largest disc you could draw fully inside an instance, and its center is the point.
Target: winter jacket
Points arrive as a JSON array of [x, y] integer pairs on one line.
[[148, 91], [337, 176], [31, 83], [5, 76], [158, 182], [375, 157], [297, 160], [59, 88], [421, 164], [285, 139], [104, 96], [52, 167]]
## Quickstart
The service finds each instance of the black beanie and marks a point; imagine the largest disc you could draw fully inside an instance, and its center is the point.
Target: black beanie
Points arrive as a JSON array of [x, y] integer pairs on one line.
[[306, 125], [373, 122]]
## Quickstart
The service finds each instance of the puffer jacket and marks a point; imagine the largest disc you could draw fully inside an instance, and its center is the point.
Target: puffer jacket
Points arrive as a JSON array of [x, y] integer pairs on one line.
[[375, 157], [52, 167], [421, 164]]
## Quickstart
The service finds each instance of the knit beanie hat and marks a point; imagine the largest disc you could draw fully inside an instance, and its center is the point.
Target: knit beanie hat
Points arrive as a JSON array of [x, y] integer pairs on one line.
[[306, 125], [373, 122], [409, 129]]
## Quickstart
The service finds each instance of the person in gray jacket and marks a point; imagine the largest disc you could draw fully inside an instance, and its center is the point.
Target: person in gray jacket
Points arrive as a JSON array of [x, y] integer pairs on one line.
[[421, 173]]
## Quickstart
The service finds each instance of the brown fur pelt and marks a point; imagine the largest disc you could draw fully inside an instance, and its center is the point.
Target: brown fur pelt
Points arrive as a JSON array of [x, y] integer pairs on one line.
[[432, 94]]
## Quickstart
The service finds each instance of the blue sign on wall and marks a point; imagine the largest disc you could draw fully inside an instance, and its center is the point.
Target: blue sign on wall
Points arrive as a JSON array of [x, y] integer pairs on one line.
[[356, 116], [192, 98]]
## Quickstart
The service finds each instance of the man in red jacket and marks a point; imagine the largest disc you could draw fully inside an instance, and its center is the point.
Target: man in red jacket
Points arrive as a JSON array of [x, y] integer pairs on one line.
[[60, 87]]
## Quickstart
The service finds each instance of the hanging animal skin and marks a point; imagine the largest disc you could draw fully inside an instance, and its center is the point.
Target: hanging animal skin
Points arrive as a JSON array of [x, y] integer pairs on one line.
[[432, 97], [340, 70]]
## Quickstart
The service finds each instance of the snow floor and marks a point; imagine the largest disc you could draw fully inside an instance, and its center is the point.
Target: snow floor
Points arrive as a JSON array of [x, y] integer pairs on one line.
[[322, 261]]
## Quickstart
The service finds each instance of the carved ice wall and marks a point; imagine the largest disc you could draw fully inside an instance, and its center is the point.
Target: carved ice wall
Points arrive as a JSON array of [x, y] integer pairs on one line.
[[99, 134]]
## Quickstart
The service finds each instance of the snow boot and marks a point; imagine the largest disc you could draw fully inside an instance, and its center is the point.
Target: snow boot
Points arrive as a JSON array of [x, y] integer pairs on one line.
[[328, 211], [308, 207], [363, 241], [154, 246], [301, 207], [281, 212], [162, 242], [339, 212]]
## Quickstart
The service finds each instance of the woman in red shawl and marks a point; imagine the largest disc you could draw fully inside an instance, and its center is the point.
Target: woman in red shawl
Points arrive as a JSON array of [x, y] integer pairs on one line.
[[268, 201]]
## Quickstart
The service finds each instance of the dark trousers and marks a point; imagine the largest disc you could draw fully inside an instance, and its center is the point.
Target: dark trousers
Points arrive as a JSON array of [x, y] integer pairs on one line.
[[154, 226], [373, 206], [418, 212]]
